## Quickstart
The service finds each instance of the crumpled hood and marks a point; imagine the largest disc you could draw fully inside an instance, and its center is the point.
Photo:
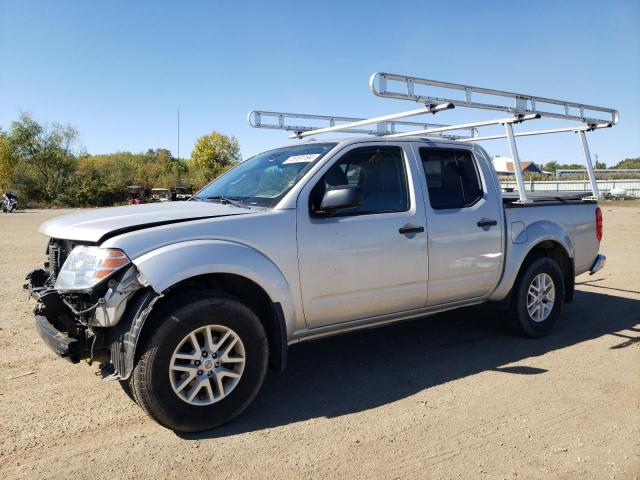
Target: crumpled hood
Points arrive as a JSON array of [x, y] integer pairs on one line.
[[102, 223]]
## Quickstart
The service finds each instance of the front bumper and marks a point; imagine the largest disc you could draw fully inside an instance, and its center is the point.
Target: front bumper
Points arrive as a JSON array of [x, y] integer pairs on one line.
[[598, 264], [61, 330], [63, 345]]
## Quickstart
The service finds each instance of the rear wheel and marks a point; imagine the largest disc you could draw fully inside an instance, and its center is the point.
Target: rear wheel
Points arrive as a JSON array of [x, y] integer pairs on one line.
[[203, 365], [537, 298]]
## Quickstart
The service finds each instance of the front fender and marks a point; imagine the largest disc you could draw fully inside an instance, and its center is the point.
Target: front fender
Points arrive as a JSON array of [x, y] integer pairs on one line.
[[169, 265], [519, 244]]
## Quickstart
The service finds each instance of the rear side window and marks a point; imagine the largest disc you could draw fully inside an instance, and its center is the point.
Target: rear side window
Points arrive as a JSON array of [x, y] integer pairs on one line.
[[452, 178]]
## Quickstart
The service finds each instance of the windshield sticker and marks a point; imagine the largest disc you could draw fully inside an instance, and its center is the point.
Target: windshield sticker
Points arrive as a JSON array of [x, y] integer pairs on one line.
[[301, 158]]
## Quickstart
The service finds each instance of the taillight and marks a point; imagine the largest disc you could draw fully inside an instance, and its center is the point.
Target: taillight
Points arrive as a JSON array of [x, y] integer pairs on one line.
[[598, 223]]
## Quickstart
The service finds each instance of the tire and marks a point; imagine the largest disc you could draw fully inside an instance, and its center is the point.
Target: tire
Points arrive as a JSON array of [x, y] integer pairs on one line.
[[543, 318], [159, 374]]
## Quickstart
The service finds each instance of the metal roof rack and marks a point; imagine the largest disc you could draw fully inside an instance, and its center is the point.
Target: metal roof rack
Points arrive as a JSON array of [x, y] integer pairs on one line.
[[385, 125], [522, 108]]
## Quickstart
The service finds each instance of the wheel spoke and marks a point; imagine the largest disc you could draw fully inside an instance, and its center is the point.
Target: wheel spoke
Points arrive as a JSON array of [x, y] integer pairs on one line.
[[228, 349], [194, 342], [228, 359], [225, 372], [207, 387], [220, 342], [186, 382], [184, 368], [187, 356], [209, 340], [220, 386], [196, 389]]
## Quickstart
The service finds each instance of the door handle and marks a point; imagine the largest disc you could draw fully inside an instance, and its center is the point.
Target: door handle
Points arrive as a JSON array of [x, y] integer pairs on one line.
[[487, 222], [407, 229]]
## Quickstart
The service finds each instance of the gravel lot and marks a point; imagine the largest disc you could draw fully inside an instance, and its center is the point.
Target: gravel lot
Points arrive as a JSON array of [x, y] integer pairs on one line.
[[450, 396]]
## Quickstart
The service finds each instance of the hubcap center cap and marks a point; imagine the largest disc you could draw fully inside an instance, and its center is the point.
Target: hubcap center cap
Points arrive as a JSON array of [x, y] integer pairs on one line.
[[208, 364]]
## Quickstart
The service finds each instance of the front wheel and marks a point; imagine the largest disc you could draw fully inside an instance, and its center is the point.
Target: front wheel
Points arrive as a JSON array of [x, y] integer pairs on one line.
[[537, 298], [203, 365]]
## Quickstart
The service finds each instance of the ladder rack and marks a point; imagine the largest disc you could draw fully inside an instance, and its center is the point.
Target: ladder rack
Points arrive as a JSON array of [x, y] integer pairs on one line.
[[279, 121], [381, 83], [522, 108]]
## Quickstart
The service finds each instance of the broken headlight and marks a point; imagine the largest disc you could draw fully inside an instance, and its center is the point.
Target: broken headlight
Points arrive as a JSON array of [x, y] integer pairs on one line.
[[85, 267]]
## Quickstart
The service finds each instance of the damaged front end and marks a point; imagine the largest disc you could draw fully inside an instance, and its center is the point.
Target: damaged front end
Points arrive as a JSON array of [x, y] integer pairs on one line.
[[91, 303]]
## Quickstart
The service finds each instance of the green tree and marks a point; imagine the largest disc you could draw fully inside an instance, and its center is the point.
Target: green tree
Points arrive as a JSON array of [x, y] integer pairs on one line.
[[551, 167], [7, 163], [43, 157], [629, 163], [212, 155]]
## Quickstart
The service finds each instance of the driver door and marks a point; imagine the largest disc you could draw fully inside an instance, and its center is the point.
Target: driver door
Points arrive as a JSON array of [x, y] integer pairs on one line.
[[361, 263]]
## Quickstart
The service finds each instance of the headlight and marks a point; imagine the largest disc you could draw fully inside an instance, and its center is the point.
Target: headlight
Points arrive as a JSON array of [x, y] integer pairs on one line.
[[85, 267]]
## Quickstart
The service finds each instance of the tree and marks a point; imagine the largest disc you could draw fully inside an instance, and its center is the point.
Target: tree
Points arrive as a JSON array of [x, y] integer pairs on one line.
[[7, 163], [43, 157], [550, 167], [629, 163], [212, 155]]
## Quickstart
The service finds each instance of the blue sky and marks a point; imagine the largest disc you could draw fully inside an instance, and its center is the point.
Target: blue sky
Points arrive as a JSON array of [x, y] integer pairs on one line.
[[118, 70]]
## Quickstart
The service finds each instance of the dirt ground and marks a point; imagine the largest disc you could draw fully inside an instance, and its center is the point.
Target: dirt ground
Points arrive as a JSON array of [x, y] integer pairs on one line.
[[450, 396]]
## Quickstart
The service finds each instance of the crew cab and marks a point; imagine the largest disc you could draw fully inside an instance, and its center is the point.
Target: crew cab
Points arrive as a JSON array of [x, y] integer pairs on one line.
[[187, 304]]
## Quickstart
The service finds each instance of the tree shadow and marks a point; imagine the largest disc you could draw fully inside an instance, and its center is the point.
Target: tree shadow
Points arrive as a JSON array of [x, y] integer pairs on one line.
[[366, 369]]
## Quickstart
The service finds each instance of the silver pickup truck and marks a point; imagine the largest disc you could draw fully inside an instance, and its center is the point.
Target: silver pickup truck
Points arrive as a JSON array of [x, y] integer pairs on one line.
[[187, 304]]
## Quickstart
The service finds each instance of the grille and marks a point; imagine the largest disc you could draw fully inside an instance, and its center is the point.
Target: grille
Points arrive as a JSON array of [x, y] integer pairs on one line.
[[58, 251]]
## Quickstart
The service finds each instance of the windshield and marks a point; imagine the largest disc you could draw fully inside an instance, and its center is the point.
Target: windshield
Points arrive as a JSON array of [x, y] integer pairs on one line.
[[264, 179]]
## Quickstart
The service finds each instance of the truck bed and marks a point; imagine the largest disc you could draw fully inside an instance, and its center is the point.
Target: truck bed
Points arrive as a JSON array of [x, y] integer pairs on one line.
[[545, 198]]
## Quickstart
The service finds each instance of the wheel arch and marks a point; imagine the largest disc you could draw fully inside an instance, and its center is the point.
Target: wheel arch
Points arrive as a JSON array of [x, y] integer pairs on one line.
[[540, 238], [226, 267], [556, 251], [252, 295]]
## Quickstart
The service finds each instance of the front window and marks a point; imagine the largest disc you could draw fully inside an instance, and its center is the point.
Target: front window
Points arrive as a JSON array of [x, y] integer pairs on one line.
[[379, 172], [263, 180]]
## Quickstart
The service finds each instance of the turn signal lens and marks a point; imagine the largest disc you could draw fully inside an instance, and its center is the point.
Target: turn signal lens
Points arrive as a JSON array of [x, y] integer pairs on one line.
[[113, 262]]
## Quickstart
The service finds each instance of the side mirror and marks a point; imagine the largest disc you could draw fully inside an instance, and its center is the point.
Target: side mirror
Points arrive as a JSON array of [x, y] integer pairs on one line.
[[338, 198]]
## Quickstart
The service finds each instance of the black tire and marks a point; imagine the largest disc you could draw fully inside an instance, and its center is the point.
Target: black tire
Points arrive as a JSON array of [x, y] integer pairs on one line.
[[518, 317], [173, 322]]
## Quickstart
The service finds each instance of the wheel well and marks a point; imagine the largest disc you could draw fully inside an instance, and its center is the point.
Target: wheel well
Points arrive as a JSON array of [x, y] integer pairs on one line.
[[557, 252], [253, 296]]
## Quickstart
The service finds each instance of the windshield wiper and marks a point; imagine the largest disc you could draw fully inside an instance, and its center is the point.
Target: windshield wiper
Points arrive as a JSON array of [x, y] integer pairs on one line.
[[228, 200]]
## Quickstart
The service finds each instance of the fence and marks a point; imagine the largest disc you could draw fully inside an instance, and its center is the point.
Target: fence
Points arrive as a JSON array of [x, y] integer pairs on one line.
[[632, 187]]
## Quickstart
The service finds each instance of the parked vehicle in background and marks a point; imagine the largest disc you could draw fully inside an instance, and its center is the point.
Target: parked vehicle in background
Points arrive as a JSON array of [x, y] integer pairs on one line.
[[188, 304], [181, 193], [135, 194], [9, 202], [160, 195]]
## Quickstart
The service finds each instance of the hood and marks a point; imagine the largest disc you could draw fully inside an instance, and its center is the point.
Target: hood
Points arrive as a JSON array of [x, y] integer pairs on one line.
[[100, 224]]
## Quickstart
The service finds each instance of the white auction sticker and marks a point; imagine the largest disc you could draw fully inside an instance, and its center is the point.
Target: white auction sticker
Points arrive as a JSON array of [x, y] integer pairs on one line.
[[301, 158]]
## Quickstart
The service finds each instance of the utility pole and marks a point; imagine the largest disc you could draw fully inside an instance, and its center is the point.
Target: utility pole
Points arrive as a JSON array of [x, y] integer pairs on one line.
[[178, 133]]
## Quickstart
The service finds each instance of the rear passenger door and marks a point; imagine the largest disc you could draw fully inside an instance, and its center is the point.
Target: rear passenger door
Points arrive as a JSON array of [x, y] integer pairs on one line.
[[464, 225]]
